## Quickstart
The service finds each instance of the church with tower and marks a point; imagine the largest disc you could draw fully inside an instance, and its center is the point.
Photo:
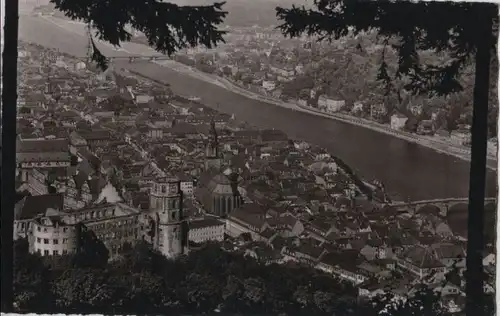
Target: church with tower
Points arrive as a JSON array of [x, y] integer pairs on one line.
[[218, 187]]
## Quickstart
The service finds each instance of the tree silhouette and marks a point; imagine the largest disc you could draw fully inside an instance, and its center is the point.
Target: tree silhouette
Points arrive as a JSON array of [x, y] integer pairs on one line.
[[452, 117], [84, 290], [92, 253], [30, 279], [168, 27], [466, 31], [8, 147], [493, 121]]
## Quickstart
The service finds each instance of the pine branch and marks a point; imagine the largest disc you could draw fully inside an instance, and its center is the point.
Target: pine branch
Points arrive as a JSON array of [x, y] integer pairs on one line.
[[444, 27], [96, 56], [168, 27]]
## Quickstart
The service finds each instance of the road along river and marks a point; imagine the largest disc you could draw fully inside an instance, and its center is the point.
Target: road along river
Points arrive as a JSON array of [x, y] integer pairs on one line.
[[407, 169], [442, 146]]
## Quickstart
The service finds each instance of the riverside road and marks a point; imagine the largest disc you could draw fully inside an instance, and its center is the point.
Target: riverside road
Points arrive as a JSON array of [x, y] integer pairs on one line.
[[406, 169]]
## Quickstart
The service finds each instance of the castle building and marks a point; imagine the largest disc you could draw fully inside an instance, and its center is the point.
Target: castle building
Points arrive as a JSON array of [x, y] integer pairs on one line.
[[53, 230], [52, 236], [212, 155], [169, 227]]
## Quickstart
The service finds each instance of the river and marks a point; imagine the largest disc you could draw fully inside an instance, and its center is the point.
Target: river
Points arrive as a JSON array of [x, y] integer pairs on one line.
[[406, 169]]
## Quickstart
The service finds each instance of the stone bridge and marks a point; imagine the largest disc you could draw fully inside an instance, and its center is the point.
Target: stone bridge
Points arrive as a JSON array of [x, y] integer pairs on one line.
[[444, 205], [131, 58]]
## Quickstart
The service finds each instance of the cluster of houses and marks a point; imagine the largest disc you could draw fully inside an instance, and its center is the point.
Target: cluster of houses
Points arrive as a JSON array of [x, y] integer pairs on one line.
[[93, 146], [249, 60]]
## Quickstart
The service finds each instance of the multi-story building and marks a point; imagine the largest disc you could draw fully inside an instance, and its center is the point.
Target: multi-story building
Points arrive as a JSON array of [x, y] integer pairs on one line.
[[96, 137], [460, 137], [31, 206], [187, 186], [52, 236], [246, 219], [206, 229], [420, 261], [268, 85], [398, 121], [42, 154], [54, 231], [330, 105]]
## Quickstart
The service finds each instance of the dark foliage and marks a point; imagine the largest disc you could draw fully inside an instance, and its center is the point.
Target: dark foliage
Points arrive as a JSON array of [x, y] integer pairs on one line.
[[30, 278], [209, 279], [167, 27], [412, 24], [92, 253], [206, 280]]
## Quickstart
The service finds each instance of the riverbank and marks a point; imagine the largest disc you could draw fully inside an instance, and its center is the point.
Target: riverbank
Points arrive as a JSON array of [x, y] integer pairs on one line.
[[407, 170], [426, 141], [441, 146]]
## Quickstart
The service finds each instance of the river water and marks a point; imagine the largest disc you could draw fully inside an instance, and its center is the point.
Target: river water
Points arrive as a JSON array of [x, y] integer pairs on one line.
[[405, 168]]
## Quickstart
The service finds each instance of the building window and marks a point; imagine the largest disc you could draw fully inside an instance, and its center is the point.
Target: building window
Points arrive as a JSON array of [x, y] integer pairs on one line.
[[65, 229], [65, 252], [39, 251], [55, 252], [45, 230], [39, 229], [56, 241], [46, 241], [45, 252], [39, 240], [65, 240]]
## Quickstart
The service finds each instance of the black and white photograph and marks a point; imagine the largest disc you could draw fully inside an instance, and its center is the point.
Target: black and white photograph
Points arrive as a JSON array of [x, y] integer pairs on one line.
[[249, 157]]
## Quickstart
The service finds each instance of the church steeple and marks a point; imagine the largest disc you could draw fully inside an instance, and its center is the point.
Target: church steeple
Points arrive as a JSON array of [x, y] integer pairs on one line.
[[213, 132], [213, 142], [212, 158]]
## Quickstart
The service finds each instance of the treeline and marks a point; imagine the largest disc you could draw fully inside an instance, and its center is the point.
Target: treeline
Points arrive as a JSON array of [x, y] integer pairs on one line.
[[207, 281]]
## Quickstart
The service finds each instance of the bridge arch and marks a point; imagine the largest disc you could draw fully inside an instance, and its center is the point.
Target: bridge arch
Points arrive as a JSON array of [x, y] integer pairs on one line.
[[458, 208], [490, 204], [457, 219], [434, 209]]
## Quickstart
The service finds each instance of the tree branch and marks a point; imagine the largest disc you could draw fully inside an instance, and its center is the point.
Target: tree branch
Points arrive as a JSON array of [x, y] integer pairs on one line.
[[167, 26]]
